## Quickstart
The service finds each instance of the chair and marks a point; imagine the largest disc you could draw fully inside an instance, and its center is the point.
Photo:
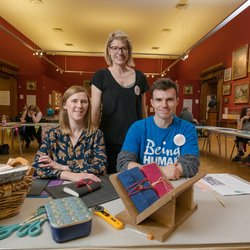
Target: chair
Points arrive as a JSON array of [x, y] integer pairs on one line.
[[206, 137], [244, 147], [203, 122]]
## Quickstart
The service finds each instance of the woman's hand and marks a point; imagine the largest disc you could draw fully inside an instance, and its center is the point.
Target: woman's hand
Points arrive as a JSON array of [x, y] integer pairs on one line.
[[75, 177], [50, 163], [245, 117]]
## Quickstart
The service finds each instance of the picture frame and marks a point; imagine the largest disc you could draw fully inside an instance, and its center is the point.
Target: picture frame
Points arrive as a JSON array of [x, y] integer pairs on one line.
[[240, 63], [226, 100], [87, 86], [227, 89], [241, 93], [56, 100], [188, 89], [227, 74], [30, 85]]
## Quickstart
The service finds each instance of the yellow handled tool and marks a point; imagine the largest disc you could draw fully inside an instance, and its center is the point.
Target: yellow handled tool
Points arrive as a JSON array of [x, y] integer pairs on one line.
[[102, 212]]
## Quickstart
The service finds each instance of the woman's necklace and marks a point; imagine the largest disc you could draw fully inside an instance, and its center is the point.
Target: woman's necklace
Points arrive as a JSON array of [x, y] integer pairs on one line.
[[74, 138]]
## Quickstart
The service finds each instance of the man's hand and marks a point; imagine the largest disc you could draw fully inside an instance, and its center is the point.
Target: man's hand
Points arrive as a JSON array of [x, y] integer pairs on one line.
[[173, 171]]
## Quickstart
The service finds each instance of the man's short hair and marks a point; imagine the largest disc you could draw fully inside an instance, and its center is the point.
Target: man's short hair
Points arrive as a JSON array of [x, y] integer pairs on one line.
[[164, 84], [185, 109]]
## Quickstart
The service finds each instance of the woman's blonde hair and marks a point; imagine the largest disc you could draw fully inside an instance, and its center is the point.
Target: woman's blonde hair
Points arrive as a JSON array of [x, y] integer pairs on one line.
[[63, 114], [119, 35], [34, 108]]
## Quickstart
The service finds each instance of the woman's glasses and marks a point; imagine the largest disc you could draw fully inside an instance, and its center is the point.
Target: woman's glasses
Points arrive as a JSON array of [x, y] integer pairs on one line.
[[116, 49]]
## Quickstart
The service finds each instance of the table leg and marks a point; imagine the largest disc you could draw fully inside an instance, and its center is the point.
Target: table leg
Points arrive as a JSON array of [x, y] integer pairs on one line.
[[19, 142], [226, 145], [208, 143], [219, 143], [12, 138]]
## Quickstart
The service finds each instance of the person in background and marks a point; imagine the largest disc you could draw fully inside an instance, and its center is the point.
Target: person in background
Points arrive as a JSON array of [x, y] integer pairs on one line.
[[122, 92], [19, 116], [74, 150], [163, 138], [186, 115], [49, 110], [31, 115], [243, 123]]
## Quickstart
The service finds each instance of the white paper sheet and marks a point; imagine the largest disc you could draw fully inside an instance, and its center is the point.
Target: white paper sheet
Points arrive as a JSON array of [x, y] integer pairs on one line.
[[5, 98], [226, 184]]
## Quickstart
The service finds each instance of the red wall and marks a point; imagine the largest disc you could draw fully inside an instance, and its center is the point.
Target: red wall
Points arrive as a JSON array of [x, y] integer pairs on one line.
[[216, 49], [48, 79], [194, 96]]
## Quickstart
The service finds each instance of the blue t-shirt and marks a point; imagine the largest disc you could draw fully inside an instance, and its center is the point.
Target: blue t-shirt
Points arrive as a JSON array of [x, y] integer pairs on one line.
[[154, 144]]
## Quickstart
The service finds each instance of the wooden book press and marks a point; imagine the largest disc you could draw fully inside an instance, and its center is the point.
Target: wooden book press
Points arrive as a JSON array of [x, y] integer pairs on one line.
[[165, 215]]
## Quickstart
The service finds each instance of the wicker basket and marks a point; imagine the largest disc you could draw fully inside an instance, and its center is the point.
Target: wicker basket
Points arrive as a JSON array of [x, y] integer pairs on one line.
[[12, 194]]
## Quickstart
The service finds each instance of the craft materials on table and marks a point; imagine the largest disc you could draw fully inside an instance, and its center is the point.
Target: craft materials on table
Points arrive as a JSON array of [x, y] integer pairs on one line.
[[149, 236], [226, 184], [156, 180], [37, 188], [138, 188], [31, 226], [13, 174], [105, 194], [200, 184], [102, 212], [81, 188], [69, 218]]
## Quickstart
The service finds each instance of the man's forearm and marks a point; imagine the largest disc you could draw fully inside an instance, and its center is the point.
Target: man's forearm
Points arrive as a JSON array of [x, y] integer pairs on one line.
[[126, 160], [190, 165]]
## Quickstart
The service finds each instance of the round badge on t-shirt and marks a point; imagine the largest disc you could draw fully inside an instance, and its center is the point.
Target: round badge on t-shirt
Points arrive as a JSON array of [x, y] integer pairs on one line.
[[179, 140], [137, 90]]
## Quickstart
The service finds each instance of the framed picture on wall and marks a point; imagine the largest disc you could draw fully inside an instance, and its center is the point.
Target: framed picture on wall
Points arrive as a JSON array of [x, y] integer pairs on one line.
[[226, 100], [56, 100], [188, 89], [227, 89], [241, 92], [240, 62], [30, 85], [87, 86], [227, 75]]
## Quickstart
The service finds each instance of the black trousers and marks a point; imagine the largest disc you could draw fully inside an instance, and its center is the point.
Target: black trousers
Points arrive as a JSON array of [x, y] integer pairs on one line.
[[112, 151], [30, 132]]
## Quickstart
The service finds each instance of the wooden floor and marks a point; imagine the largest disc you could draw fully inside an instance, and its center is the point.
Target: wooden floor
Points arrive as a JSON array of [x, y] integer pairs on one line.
[[212, 163]]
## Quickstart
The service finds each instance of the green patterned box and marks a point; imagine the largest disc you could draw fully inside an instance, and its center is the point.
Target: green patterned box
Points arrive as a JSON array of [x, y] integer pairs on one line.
[[69, 218]]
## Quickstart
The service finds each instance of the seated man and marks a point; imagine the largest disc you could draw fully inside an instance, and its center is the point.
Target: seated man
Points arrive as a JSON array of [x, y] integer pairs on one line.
[[186, 115], [163, 138]]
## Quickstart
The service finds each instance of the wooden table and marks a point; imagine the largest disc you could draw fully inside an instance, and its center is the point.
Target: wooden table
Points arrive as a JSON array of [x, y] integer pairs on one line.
[[227, 132]]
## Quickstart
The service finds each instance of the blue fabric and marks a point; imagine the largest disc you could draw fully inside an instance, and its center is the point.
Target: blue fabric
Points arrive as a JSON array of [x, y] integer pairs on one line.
[[145, 197], [154, 144], [50, 111]]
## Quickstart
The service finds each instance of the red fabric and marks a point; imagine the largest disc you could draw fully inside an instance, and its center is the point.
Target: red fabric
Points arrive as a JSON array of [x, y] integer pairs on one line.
[[154, 176], [82, 183]]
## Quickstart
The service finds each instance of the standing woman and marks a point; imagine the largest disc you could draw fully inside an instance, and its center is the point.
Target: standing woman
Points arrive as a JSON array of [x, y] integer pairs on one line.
[[75, 150], [121, 91]]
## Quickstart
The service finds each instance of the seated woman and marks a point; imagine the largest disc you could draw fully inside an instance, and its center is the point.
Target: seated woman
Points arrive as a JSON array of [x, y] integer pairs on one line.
[[31, 115], [243, 123], [74, 150], [49, 110]]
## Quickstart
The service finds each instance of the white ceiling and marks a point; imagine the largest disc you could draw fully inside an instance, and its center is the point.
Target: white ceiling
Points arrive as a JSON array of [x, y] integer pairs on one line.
[[87, 23]]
